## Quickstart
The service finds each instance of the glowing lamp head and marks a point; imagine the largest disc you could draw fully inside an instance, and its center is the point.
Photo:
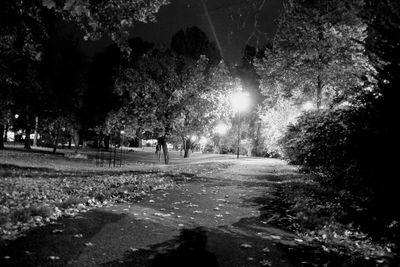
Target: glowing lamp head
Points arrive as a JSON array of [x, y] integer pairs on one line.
[[221, 129], [240, 101], [203, 141]]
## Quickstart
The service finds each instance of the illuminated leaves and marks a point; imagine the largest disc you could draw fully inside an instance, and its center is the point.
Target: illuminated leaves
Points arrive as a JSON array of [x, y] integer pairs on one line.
[[164, 93], [317, 51], [275, 121], [49, 4]]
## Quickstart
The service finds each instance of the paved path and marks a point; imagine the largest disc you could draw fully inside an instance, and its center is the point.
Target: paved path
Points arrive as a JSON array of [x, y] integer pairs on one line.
[[211, 220]]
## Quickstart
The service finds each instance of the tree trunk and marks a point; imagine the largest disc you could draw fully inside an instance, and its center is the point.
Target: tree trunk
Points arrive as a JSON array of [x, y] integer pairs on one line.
[[187, 153], [163, 142], [2, 136], [27, 141], [255, 151], [7, 126], [319, 91], [106, 142], [36, 131], [76, 140], [187, 148], [56, 142], [70, 143]]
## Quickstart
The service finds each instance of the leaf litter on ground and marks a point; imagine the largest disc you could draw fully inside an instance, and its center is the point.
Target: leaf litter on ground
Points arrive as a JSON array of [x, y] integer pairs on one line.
[[40, 188]]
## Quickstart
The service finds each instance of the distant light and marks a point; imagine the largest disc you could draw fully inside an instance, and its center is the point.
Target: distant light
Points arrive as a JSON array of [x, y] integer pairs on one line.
[[16, 116], [122, 132], [240, 101], [307, 106], [221, 129], [203, 141]]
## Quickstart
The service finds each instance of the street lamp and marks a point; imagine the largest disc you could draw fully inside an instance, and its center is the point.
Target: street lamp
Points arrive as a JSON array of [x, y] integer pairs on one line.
[[240, 102], [221, 128]]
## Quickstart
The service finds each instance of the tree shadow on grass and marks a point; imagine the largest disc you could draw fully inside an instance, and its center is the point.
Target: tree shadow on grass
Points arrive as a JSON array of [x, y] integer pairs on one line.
[[37, 245]]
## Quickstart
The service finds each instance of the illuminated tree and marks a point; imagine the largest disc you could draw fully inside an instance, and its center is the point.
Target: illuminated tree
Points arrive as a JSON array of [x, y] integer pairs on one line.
[[169, 96], [318, 52]]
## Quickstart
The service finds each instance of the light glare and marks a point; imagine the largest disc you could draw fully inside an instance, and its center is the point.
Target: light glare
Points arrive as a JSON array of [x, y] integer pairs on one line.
[[221, 129], [240, 101]]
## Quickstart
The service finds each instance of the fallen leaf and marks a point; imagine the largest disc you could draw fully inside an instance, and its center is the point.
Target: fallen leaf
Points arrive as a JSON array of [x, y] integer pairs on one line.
[[244, 245], [265, 263], [275, 236], [266, 250]]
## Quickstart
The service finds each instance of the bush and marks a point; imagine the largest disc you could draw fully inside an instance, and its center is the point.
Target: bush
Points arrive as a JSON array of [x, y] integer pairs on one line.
[[348, 148]]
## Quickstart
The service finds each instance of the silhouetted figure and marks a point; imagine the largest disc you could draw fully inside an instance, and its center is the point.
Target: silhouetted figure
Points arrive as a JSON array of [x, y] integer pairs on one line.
[[190, 253]]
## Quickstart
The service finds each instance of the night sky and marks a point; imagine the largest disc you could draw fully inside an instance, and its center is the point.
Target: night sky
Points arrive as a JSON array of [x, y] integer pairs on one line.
[[231, 28]]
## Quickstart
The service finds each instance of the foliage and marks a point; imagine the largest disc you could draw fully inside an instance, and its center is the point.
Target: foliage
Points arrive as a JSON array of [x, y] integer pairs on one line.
[[322, 216], [110, 17], [274, 123], [347, 146], [168, 95], [317, 53], [193, 43], [27, 26]]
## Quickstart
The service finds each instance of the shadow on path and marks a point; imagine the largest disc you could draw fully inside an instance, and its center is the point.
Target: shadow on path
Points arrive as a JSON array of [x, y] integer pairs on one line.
[[38, 245]]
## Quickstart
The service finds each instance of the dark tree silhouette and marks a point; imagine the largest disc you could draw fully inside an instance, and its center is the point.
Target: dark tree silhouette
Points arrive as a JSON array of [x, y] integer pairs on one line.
[[192, 43]]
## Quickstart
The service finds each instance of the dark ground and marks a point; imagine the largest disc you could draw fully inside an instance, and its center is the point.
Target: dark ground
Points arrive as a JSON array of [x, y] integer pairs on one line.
[[220, 219]]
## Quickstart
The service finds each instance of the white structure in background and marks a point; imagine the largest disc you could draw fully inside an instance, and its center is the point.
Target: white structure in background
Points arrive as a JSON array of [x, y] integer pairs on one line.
[[11, 135], [153, 143], [203, 142]]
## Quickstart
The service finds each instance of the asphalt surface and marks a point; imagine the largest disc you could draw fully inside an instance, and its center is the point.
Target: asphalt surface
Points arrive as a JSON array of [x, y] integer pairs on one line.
[[210, 220]]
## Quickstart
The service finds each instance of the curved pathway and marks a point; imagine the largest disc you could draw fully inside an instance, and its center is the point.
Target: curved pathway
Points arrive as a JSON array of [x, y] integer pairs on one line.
[[207, 220]]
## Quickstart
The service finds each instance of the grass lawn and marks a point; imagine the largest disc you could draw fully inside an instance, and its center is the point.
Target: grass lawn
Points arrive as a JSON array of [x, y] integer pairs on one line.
[[37, 186]]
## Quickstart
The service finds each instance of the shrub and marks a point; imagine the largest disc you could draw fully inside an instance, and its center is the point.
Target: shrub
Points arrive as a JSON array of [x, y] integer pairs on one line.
[[348, 148]]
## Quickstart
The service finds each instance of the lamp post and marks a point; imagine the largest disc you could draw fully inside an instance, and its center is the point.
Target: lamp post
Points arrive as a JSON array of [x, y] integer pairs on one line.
[[240, 102]]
